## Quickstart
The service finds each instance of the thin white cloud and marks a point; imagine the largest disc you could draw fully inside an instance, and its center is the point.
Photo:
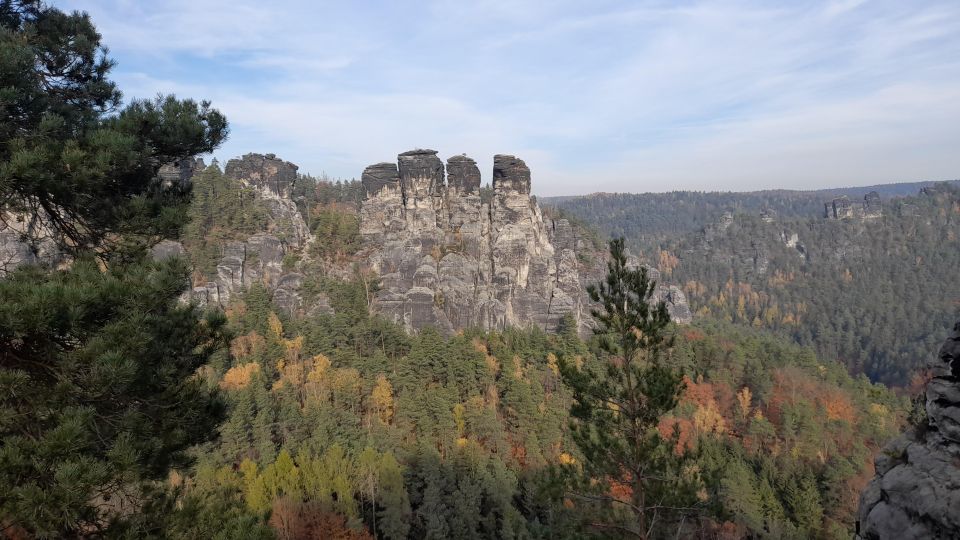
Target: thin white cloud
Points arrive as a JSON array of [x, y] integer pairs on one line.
[[614, 96]]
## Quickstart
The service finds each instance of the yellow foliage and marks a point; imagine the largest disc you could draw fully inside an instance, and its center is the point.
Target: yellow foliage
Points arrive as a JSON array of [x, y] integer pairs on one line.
[[493, 364], [566, 459], [518, 367], [293, 347], [276, 327], [382, 396], [320, 365], [708, 420], [239, 376], [744, 398], [459, 419], [552, 364], [246, 345]]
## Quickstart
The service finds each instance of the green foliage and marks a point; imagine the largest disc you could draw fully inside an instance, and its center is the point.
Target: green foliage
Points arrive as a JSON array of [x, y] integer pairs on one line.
[[98, 393], [221, 211], [70, 154], [878, 295], [627, 465], [337, 231], [647, 220]]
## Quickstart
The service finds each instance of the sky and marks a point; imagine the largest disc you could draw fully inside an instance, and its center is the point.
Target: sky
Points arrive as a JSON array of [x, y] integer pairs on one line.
[[627, 96]]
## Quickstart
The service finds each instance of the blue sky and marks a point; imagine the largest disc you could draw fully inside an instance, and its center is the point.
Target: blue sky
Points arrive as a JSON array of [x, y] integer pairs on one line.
[[595, 96]]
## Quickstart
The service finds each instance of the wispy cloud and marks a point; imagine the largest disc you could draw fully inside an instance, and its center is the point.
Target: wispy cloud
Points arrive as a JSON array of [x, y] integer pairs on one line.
[[614, 96]]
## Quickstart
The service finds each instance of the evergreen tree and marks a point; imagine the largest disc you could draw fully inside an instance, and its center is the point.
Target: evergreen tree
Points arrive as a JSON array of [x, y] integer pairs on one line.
[[99, 396], [394, 518], [71, 157], [97, 391], [628, 469]]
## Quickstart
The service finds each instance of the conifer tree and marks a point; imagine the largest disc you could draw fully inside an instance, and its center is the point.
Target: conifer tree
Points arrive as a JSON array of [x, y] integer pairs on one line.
[[97, 391], [629, 473], [99, 396], [72, 157]]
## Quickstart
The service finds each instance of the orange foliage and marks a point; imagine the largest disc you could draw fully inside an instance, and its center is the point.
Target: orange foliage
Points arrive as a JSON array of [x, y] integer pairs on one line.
[[309, 521], [620, 491], [479, 345], [519, 453], [239, 376], [682, 428], [919, 382], [667, 262], [838, 407], [244, 346], [692, 334]]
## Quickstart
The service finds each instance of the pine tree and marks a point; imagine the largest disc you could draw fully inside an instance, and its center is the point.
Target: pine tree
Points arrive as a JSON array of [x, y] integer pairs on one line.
[[99, 397], [394, 517], [97, 391], [629, 470], [70, 156]]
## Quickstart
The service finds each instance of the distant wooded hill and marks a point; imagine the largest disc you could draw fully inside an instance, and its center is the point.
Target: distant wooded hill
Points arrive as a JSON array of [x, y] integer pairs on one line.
[[877, 293], [646, 219]]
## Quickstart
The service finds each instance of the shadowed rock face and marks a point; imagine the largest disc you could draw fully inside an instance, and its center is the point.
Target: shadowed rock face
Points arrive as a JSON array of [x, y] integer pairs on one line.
[[510, 174], [463, 175], [916, 492], [265, 172], [448, 260]]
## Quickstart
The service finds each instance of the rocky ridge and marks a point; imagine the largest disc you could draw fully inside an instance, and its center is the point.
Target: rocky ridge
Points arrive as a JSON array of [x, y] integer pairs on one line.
[[916, 491], [260, 257], [450, 260], [843, 208]]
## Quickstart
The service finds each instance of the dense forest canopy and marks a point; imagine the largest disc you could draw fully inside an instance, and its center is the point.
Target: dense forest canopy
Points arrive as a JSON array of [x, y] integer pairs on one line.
[[876, 294], [648, 219]]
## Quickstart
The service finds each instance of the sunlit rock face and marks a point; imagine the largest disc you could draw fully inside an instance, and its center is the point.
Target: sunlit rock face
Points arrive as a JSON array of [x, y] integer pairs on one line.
[[259, 258], [450, 260], [916, 491]]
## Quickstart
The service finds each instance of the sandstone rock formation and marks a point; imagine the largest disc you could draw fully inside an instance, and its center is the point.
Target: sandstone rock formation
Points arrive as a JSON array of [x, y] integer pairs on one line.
[[260, 258], [916, 491], [843, 208], [450, 260]]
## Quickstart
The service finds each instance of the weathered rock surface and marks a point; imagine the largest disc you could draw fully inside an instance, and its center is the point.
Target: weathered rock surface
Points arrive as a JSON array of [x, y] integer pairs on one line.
[[916, 491], [260, 257], [843, 208], [447, 259]]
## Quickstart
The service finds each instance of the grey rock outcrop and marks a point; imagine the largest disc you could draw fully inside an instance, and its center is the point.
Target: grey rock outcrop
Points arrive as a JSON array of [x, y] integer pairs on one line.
[[916, 491], [843, 208], [31, 239], [449, 260], [260, 257]]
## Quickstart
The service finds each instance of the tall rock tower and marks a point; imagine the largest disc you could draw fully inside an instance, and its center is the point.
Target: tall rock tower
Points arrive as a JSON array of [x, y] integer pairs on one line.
[[448, 259]]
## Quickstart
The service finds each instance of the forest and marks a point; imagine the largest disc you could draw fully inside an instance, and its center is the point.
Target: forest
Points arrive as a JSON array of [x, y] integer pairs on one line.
[[126, 412], [875, 294], [648, 219]]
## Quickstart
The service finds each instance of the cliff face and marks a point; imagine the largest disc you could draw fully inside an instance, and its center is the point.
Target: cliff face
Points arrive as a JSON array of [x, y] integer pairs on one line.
[[916, 492], [259, 258], [448, 259], [843, 208]]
